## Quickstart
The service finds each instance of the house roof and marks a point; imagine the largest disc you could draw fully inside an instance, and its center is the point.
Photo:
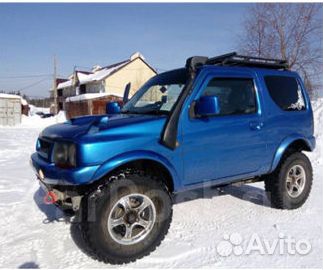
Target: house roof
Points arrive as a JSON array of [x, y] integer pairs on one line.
[[116, 64], [4, 95], [100, 74], [90, 96], [11, 96]]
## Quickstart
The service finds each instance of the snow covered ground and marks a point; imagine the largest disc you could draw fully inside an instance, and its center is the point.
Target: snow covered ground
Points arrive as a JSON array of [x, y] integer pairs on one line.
[[35, 235]]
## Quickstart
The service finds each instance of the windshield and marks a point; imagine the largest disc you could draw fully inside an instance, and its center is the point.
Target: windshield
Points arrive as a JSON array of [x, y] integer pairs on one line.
[[158, 95]]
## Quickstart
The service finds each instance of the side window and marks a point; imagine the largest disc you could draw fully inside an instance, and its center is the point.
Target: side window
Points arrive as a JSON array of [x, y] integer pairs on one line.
[[235, 95], [285, 92]]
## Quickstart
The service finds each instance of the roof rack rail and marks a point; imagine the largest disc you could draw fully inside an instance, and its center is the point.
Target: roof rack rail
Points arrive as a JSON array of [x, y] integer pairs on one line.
[[233, 59]]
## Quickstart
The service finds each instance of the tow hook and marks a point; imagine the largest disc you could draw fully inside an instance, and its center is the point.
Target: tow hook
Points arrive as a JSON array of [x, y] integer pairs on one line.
[[50, 197]]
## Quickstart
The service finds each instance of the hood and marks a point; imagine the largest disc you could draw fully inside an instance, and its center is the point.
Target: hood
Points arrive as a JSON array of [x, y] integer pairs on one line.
[[76, 127]]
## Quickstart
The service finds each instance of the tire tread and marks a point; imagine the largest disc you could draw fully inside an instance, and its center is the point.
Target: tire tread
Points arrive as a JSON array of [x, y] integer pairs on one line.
[[273, 181], [94, 252]]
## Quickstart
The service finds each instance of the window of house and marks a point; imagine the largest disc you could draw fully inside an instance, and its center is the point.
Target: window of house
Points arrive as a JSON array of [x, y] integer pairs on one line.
[[285, 92], [82, 89], [235, 95]]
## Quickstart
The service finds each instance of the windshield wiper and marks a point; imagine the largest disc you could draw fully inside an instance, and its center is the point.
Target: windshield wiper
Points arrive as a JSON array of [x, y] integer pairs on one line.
[[129, 112], [155, 112]]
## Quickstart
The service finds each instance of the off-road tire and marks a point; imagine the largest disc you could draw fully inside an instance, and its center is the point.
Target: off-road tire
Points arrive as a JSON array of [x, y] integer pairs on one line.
[[275, 183], [101, 246]]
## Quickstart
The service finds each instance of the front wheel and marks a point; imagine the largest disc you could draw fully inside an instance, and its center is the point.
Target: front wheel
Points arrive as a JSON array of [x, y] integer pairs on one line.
[[131, 219], [289, 186]]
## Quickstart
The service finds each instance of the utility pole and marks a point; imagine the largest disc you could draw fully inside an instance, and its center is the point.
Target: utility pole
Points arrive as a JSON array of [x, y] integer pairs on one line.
[[55, 85]]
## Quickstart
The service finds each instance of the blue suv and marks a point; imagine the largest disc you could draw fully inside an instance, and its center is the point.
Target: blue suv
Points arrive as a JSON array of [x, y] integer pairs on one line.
[[218, 121]]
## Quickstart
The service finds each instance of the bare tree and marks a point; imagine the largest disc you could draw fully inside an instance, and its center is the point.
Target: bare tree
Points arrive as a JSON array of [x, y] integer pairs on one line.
[[288, 31]]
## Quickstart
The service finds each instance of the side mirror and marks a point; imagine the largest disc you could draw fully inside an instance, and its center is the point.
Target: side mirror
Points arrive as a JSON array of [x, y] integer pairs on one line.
[[112, 108], [207, 106]]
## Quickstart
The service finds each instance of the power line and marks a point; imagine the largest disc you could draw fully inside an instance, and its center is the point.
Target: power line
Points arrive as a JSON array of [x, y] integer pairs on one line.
[[83, 67], [37, 97], [25, 76], [50, 74], [33, 84]]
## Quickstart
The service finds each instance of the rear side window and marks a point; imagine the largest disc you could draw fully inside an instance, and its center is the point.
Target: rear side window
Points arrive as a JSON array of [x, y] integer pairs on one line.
[[235, 95], [285, 92]]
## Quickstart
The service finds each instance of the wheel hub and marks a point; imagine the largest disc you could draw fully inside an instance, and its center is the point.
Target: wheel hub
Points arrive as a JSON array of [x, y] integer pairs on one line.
[[295, 180], [131, 217]]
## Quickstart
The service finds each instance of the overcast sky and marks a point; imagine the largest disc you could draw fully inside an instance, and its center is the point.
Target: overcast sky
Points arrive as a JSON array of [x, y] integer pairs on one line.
[[87, 34]]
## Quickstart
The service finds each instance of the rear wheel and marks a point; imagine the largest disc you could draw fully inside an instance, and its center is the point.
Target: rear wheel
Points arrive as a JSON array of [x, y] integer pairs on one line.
[[289, 186], [131, 218]]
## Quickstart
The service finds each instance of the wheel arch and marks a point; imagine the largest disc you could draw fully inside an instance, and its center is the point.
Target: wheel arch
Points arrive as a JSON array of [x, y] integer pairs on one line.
[[142, 160], [295, 143]]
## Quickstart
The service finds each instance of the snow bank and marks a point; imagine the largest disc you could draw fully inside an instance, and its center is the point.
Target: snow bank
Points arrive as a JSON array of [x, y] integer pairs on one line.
[[60, 117], [24, 102], [35, 121], [33, 234], [33, 110]]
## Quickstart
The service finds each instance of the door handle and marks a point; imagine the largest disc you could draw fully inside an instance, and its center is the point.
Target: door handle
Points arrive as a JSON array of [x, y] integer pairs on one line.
[[255, 125]]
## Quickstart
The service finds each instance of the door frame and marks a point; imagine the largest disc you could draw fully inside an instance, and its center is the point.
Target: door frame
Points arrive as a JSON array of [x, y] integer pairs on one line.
[[185, 119]]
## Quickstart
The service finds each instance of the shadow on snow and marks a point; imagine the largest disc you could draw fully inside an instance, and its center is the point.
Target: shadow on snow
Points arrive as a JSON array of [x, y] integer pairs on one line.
[[247, 193]]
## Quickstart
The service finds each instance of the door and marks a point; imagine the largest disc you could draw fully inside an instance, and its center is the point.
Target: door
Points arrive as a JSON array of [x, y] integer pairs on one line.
[[231, 143]]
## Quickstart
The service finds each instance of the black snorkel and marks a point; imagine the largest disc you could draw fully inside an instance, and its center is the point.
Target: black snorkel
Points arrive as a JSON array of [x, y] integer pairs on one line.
[[170, 130]]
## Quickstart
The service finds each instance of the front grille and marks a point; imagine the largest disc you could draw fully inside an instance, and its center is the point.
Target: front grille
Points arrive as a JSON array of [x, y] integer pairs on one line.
[[45, 148]]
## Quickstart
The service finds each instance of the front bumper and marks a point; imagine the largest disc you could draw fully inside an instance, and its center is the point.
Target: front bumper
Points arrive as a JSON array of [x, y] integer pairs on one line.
[[52, 175]]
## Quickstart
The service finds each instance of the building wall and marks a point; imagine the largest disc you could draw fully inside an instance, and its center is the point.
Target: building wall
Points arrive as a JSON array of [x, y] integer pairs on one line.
[[10, 111], [88, 107], [69, 91], [95, 87], [136, 72]]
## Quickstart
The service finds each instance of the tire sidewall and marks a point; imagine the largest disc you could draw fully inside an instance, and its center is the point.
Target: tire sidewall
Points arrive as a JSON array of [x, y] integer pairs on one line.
[[104, 205], [295, 159]]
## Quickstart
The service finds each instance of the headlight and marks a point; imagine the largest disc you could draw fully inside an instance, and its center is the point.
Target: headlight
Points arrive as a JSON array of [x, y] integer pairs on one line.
[[64, 155]]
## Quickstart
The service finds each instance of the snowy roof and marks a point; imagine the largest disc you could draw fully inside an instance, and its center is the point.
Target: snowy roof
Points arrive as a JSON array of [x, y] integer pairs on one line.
[[99, 73], [64, 84], [23, 101], [95, 76], [81, 75], [90, 96], [3, 95]]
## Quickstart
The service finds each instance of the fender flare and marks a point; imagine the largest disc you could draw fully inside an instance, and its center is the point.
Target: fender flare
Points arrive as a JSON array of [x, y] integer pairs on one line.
[[310, 142], [124, 158]]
